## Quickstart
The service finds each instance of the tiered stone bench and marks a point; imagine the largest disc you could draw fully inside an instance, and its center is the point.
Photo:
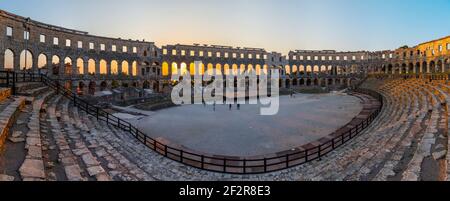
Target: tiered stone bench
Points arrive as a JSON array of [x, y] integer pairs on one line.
[[408, 141]]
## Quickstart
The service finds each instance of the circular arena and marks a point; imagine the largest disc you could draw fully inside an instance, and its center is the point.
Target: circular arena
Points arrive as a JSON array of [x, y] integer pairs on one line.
[[244, 132], [67, 97]]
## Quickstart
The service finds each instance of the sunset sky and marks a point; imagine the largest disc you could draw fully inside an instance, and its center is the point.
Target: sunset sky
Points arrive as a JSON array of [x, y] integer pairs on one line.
[[276, 25]]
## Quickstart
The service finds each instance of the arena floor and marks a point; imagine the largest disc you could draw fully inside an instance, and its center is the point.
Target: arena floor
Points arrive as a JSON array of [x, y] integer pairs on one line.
[[244, 132]]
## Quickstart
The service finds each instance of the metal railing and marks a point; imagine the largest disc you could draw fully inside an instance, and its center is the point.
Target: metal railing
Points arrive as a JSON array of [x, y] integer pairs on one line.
[[212, 163]]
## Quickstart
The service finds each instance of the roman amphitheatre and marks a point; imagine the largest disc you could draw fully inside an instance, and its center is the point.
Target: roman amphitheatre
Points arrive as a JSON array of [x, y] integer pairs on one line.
[[80, 107]]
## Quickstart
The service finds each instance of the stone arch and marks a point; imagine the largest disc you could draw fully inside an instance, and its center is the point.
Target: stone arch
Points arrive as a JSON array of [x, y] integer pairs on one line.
[[403, 69], [125, 67], [425, 67], [226, 69], [164, 68], [8, 59], [134, 68], [242, 68], [301, 69], [91, 66], [80, 66], [417, 67], [55, 64], [288, 83], [80, 88], [316, 69], [397, 69], [68, 66], [174, 68], [411, 68], [92, 86], [218, 70], [294, 82], [210, 69], [287, 69], [235, 69], [103, 67], [308, 69], [294, 69], [250, 68], [183, 69], [192, 70], [390, 69], [308, 82], [433, 67], [302, 82], [26, 59], [103, 86], [258, 69], [42, 61]]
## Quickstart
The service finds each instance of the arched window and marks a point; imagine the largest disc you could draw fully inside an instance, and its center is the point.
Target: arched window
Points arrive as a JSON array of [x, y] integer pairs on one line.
[[218, 69], [235, 70], [165, 69], [258, 69], [250, 68], [26, 59], [287, 69], [210, 69], [9, 59], [294, 69], [114, 67], [67, 65], [55, 60], [103, 69], [91, 66], [125, 68], [226, 69], [174, 68], [80, 66], [316, 69], [183, 69], [242, 68], [42, 61], [134, 68], [192, 68]]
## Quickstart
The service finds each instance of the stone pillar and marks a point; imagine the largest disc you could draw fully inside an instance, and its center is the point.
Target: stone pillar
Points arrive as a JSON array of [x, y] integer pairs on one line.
[[130, 69], [49, 65], [74, 69], [17, 62], [97, 67], [119, 68], [414, 69], [35, 64], [62, 68], [108, 68], [428, 68], [85, 68], [2, 60], [443, 67]]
